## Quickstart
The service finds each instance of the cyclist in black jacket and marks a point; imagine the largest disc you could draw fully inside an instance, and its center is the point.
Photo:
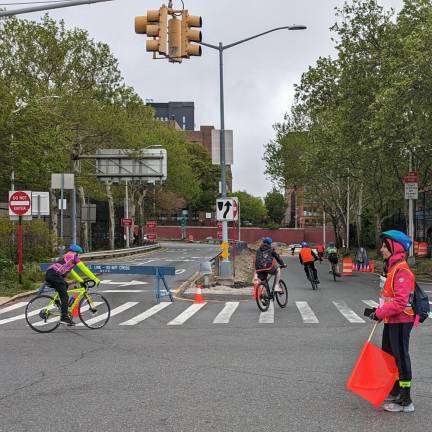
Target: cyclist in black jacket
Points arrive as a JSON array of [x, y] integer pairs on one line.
[[265, 262]]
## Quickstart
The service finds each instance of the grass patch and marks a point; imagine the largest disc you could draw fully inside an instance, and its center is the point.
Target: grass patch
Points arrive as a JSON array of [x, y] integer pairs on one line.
[[31, 279]]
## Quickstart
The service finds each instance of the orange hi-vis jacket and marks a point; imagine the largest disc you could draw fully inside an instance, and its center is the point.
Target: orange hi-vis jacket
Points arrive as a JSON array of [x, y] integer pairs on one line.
[[388, 292], [306, 255]]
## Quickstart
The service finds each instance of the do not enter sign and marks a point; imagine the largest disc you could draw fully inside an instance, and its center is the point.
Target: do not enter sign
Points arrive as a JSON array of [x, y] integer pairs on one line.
[[19, 203]]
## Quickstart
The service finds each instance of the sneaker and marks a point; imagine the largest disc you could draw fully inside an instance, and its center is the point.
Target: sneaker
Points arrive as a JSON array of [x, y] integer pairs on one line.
[[67, 320], [391, 398], [330, 271], [395, 407]]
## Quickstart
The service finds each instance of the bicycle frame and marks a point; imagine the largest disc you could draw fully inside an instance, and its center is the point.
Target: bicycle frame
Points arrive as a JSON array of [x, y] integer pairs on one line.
[[80, 291]]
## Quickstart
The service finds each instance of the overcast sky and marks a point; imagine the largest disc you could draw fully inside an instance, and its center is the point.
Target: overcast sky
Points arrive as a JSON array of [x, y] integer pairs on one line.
[[259, 75]]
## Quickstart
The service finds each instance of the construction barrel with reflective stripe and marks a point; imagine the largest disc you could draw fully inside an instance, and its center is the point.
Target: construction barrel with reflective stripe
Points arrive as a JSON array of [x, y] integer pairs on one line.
[[416, 244], [422, 250], [347, 267]]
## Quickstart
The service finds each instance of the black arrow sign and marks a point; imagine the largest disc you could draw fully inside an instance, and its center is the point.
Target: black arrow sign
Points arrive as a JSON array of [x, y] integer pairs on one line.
[[220, 205], [228, 205]]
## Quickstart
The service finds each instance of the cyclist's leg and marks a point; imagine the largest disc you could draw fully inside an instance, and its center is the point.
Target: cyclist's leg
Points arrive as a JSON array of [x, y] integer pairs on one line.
[[60, 285], [305, 266], [315, 272]]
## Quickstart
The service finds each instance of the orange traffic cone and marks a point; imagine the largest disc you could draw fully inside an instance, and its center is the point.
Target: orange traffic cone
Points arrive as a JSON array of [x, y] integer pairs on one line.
[[198, 295], [75, 309]]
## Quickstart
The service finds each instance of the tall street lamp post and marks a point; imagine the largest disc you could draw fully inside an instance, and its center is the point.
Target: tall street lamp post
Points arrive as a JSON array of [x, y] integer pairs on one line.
[[226, 269]]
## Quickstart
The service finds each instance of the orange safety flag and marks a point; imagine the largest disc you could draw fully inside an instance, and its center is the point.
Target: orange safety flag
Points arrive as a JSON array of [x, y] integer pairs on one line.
[[374, 374]]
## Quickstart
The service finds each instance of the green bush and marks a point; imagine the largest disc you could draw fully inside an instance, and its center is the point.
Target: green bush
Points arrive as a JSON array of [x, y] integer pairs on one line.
[[37, 241]]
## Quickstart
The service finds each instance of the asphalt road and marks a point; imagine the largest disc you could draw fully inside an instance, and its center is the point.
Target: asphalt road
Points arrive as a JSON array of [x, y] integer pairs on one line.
[[184, 371]]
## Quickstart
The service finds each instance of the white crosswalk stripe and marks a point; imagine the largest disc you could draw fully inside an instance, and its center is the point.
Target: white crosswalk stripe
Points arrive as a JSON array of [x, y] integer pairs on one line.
[[147, 314], [114, 312], [267, 317], [347, 312], [306, 313], [225, 314], [189, 312], [13, 307], [371, 303]]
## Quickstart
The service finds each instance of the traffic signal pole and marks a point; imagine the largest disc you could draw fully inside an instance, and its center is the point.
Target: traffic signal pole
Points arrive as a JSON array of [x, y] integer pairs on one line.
[[226, 270], [46, 7]]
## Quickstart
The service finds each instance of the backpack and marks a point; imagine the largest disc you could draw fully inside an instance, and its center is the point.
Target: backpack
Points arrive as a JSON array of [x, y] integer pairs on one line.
[[263, 259], [420, 303]]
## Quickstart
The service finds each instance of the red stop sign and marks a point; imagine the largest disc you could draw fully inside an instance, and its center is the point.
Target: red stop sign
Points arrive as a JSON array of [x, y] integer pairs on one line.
[[19, 203]]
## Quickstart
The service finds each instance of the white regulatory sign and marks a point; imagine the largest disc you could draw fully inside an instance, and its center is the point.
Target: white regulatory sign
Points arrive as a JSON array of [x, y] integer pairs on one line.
[[411, 191], [227, 209]]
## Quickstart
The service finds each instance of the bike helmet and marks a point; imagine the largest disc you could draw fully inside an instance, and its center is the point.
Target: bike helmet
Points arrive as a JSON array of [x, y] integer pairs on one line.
[[304, 244], [398, 237], [76, 248], [267, 240]]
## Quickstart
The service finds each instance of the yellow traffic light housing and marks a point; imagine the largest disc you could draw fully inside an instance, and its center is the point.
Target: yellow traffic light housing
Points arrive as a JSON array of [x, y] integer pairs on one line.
[[174, 40], [190, 35], [155, 25]]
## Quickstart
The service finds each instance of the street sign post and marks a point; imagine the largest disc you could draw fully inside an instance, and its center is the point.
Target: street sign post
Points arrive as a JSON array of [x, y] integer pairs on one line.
[[151, 227], [411, 191], [126, 222], [20, 205]]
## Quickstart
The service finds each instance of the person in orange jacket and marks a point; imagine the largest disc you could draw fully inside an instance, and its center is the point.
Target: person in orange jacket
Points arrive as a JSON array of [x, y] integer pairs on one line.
[[308, 257]]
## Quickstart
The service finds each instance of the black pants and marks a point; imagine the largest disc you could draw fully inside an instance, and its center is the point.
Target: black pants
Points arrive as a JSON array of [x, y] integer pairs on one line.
[[60, 285], [312, 267], [395, 341]]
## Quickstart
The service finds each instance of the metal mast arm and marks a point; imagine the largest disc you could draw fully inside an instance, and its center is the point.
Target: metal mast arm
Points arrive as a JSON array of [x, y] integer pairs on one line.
[[46, 7]]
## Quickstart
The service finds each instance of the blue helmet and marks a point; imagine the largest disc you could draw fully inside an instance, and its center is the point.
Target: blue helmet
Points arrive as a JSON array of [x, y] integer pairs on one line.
[[303, 244], [399, 237], [267, 240], [76, 248]]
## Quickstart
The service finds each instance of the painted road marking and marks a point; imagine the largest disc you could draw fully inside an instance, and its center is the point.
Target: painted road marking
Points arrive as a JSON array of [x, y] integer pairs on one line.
[[18, 317], [306, 313], [13, 307], [185, 315], [147, 314], [225, 314], [123, 291], [111, 282], [371, 303], [347, 312], [267, 317], [114, 312]]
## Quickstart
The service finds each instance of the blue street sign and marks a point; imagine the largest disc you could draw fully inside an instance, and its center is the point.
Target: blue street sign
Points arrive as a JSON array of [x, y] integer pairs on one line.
[[121, 268]]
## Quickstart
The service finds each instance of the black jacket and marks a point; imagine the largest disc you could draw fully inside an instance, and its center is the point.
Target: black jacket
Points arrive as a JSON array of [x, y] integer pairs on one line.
[[276, 256]]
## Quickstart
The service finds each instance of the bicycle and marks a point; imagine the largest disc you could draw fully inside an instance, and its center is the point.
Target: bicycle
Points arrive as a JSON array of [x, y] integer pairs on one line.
[[264, 294], [43, 312], [333, 269], [311, 277]]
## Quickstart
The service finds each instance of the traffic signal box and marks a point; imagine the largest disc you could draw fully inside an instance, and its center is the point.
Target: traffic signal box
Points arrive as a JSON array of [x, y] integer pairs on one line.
[[171, 38]]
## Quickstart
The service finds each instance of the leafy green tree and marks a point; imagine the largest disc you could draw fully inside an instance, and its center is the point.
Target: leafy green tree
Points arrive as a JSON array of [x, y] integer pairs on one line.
[[252, 209], [276, 206]]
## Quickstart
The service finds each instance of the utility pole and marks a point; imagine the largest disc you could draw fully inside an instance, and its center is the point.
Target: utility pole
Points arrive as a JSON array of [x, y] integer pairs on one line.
[[411, 216]]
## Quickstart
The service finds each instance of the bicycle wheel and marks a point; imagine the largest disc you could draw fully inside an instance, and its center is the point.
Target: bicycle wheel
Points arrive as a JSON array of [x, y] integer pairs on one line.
[[43, 314], [334, 272], [262, 297], [282, 297], [94, 310], [311, 278]]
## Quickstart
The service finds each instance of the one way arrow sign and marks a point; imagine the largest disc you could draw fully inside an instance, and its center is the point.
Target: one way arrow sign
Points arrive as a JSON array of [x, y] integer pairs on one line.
[[226, 209]]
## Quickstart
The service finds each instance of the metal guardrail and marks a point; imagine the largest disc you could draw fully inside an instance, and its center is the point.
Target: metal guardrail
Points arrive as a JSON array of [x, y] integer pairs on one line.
[[116, 252]]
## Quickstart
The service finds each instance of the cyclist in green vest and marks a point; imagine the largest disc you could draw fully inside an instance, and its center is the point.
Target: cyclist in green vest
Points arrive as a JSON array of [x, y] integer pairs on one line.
[[332, 256]]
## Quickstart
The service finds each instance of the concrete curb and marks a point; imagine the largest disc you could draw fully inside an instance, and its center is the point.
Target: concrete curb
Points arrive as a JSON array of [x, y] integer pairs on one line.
[[18, 296]]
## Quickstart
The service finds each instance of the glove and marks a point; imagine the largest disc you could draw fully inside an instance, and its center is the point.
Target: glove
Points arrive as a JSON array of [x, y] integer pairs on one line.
[[371, 313]]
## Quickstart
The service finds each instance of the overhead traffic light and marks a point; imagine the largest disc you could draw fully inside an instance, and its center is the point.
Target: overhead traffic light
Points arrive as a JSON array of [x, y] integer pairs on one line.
[[154, 24], [174, 40], [188, 35]]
